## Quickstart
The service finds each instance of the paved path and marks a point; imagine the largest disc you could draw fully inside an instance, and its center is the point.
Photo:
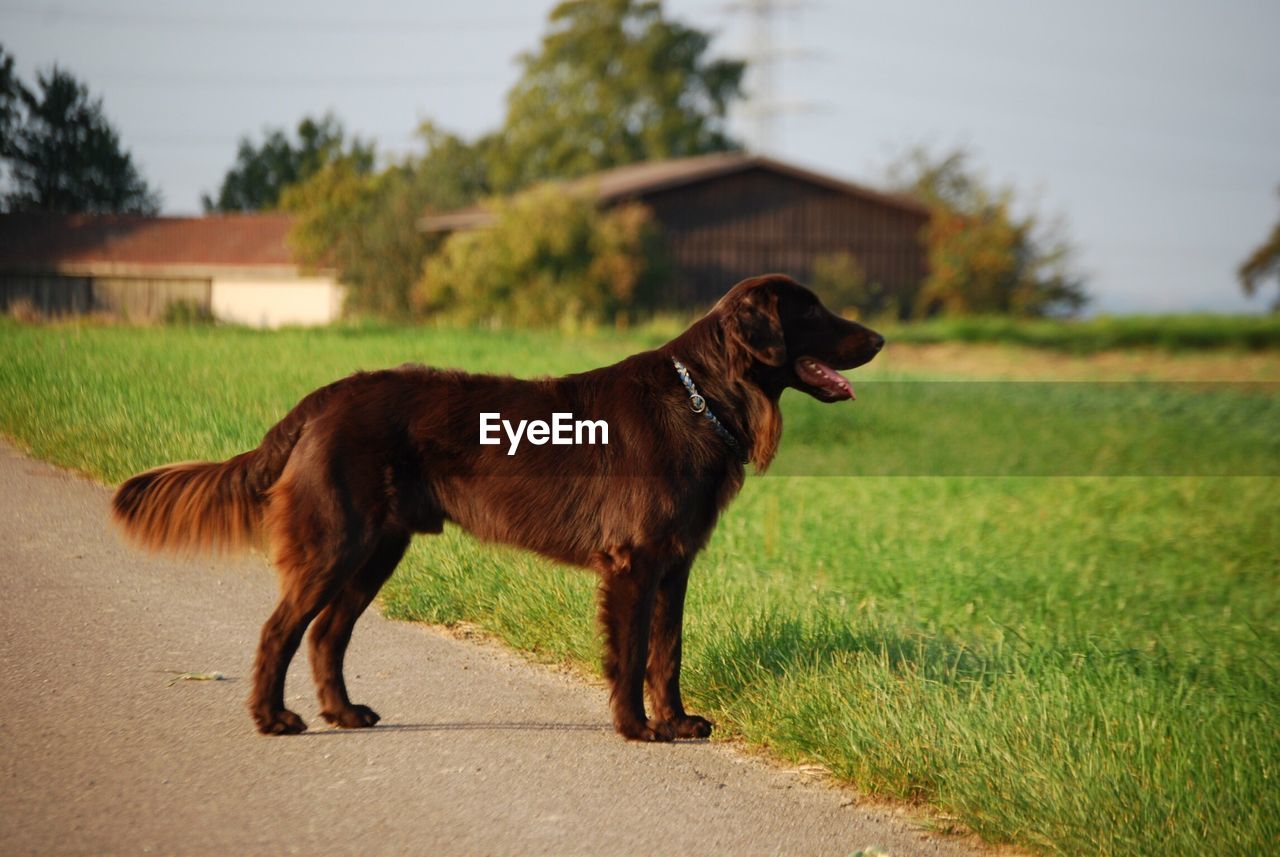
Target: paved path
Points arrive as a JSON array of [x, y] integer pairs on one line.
[[478, 752]]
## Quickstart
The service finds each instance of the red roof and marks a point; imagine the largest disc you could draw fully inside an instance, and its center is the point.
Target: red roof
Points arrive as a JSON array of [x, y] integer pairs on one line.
[[34, 240]]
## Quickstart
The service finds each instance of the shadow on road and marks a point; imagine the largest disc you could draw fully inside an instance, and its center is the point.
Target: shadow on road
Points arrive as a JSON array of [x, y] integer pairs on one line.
[[465, 727]]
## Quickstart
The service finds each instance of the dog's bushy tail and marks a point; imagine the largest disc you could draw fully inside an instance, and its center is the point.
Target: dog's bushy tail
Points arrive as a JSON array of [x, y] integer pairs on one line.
[[211, 505], [193, 506]]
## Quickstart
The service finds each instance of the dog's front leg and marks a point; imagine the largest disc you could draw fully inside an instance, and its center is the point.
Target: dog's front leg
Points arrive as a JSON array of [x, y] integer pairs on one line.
[[665, 644], [626, 607]]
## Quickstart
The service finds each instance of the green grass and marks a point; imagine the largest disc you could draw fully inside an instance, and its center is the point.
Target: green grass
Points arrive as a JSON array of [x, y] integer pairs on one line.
[[1171, 332], [1080, 665]]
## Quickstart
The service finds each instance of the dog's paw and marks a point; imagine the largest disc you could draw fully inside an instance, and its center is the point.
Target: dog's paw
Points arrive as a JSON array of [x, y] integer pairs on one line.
[[647, 730], [691, 726], [352, 717], [282, 722]]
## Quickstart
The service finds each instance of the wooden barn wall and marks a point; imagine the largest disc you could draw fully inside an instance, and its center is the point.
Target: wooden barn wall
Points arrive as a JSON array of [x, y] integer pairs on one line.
[[757, 221], [137, 298], [46, 295]]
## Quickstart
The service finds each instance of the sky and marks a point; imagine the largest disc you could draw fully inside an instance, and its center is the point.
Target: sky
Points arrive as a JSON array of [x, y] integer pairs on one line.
[[1150, 130]]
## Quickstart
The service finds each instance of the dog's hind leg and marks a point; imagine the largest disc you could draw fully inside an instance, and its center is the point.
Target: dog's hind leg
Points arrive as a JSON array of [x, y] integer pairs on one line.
[[331, 632], [281, 635], [306, 592], [319, 543]]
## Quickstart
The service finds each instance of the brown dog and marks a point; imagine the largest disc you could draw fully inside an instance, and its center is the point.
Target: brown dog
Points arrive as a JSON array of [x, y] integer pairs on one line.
[[338, 486]]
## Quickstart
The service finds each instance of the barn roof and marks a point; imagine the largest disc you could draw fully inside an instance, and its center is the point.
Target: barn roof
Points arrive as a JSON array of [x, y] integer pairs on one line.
[[38, 241], [636, 181]]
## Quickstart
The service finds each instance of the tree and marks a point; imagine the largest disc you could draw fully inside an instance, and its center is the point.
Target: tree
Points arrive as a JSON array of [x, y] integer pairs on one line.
[[61, 151], [261, 173], [10, 100], [1262, 264], [614, 82], [843, 284], [365, 224], [983, 258], [551, 258]]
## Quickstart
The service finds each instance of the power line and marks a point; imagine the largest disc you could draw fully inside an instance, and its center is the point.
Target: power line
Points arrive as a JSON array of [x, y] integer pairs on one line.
[[57, 14], [403, 142], [225, 80]]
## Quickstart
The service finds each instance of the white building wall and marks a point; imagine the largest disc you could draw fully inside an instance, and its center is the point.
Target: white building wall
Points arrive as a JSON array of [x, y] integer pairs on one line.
[[273, 303]]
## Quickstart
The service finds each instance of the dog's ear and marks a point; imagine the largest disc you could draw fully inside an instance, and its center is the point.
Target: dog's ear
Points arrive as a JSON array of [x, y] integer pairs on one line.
[[752, 320]]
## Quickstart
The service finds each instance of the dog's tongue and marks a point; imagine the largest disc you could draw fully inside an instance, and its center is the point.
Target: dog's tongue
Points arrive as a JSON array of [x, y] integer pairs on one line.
[[820, 375]]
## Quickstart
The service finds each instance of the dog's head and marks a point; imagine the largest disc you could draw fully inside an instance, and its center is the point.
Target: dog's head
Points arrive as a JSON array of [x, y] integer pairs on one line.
[[786, 337]]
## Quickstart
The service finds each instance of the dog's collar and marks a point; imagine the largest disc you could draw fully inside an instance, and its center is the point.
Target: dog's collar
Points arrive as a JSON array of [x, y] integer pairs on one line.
[[699, 406]]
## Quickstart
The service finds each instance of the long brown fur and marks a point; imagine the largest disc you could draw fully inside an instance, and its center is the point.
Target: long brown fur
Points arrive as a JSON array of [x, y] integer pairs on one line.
[[337, 488]]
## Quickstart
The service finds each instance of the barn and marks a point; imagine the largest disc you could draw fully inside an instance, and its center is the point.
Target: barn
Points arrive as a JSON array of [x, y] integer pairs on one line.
[[237, 267], [733, 215]]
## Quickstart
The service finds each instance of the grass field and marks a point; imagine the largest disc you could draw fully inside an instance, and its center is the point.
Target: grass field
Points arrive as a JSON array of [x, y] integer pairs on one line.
[[1082, 665], [1174, 332]]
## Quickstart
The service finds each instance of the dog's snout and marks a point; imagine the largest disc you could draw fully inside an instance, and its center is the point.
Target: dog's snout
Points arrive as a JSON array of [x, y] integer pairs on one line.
[[877, 341]]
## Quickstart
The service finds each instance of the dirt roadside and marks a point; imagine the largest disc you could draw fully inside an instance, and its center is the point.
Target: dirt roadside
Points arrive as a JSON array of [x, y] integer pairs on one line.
[[478, 751]]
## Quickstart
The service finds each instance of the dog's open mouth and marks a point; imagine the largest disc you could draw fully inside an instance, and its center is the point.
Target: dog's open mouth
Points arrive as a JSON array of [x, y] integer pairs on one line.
[[833, 386]]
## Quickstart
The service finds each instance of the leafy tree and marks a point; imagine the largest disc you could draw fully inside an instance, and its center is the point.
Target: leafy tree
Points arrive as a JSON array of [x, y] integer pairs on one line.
[[365, 224], [10, 99], [983, 258], [61, 151], [261, 173], [842, 282], [452, 172], [614, 82], [552, 258], [1263, 264]]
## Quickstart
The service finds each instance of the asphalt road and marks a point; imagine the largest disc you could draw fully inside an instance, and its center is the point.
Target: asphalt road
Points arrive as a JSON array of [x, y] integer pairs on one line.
[[478, 751]]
